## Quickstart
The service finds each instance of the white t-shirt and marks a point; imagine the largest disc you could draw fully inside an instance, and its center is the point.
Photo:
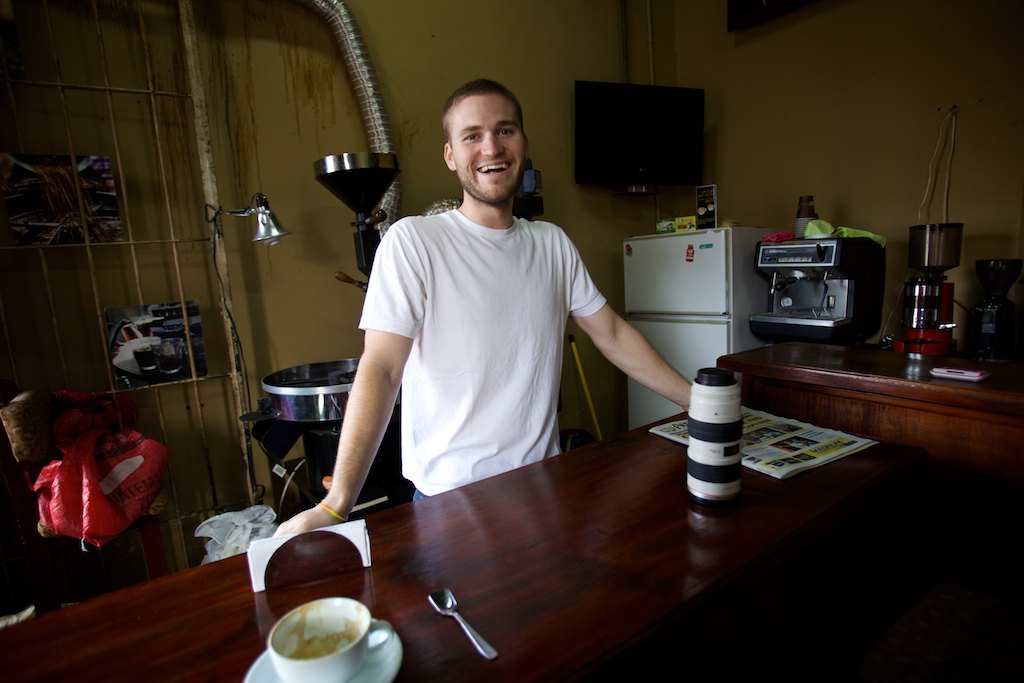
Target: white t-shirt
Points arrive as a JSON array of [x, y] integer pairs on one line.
[[486, 310]]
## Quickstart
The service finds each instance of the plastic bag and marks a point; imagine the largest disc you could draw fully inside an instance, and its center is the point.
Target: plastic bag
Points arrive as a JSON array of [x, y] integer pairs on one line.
[[822, 228], [109, 475], [231, 533]]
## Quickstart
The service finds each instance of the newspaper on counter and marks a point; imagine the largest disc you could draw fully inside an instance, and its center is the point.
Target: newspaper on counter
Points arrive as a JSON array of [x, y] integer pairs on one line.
[[779, 447]]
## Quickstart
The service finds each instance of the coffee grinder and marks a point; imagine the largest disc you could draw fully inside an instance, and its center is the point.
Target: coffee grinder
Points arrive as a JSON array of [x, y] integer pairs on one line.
[[994, 319], [928, 298]]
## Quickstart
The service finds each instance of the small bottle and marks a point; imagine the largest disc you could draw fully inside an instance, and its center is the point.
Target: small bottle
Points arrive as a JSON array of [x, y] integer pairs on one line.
[[715, 423]]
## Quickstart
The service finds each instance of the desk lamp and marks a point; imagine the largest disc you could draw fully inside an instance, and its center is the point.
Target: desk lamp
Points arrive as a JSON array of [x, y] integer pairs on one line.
[[268, 228]]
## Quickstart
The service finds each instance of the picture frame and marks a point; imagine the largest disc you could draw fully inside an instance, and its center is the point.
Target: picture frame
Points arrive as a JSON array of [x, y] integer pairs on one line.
[[42, 201], [153, 343]]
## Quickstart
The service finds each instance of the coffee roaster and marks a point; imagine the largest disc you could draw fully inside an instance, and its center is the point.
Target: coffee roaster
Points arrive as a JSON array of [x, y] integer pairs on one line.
[[308, 401]]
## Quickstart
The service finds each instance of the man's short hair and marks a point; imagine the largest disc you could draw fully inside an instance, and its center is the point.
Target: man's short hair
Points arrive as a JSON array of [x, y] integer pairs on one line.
[[480, 86]]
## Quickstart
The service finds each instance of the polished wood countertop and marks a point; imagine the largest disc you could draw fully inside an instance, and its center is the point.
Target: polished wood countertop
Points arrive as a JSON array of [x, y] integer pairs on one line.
[[897, 375], [568, 567], [972, 432]]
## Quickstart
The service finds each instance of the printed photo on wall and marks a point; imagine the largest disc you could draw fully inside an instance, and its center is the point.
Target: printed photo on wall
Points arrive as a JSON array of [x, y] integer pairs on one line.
[[153, 343], [42, 204]]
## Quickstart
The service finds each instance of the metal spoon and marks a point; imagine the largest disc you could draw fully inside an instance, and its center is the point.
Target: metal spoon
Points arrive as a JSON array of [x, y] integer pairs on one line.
[[445, 603]]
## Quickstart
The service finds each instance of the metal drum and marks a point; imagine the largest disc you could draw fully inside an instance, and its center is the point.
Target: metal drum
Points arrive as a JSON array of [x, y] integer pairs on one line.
[[315, 392]]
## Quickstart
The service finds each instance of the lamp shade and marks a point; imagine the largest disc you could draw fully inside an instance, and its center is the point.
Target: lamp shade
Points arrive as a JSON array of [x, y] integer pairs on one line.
[[268, 229]]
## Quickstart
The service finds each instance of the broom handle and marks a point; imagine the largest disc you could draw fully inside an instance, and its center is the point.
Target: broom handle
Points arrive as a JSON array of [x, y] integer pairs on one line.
[[586, 389]]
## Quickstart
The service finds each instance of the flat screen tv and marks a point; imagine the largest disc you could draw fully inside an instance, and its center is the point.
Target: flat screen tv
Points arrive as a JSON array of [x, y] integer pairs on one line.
[[637, 136]]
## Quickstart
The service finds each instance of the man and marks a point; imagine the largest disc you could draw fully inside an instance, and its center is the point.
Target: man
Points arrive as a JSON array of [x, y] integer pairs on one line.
[[466, 310]]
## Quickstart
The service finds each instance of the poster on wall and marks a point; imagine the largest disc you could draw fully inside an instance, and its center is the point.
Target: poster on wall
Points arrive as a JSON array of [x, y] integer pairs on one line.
[[41, 198], [154, 343]]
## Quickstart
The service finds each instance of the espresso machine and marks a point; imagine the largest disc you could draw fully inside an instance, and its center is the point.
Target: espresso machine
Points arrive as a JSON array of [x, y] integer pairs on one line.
[[928, 298], [994, 319], [826, 290]]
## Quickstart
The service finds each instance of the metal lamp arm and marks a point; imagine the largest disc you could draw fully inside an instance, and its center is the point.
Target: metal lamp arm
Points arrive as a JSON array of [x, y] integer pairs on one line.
[[259, 200]]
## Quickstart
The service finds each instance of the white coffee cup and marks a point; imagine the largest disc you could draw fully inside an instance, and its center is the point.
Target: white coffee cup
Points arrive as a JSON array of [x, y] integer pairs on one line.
[[325, 641]]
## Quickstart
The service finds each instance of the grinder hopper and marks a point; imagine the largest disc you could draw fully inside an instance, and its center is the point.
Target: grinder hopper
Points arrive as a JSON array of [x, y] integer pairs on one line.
[[935, 247], [360, 181]]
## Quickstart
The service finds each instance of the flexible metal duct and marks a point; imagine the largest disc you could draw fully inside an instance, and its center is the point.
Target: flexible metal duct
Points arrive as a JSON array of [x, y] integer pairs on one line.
[[364, 81]]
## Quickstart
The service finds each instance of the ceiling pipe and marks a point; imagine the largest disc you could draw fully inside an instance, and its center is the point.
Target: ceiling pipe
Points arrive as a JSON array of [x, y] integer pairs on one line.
[[364, 82]]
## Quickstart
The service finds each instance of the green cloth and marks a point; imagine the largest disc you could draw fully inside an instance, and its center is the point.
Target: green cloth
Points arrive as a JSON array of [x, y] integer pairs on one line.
[[822, 228]]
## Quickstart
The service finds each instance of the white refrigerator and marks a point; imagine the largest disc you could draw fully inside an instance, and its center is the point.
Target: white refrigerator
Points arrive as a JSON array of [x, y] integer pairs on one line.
[[691, 294]]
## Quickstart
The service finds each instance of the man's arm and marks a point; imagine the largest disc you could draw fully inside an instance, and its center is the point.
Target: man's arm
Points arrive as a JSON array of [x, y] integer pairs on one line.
[[629, 351], [367, 412]]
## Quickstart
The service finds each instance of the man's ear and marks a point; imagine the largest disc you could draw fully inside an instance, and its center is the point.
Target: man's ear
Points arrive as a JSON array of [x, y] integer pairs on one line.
[[449, 157]]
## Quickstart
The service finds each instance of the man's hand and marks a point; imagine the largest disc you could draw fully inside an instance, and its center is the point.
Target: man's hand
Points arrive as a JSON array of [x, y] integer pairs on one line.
[[308, 520]]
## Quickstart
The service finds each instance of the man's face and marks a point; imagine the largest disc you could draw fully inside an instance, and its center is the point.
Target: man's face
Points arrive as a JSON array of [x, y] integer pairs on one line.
[[486, 148]]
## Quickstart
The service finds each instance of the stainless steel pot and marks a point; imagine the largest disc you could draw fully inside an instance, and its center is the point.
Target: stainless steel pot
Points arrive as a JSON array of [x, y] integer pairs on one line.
[[315, 392]]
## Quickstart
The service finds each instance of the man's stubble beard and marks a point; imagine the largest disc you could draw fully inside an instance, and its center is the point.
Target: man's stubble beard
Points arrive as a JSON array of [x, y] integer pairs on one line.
[[476, 191]]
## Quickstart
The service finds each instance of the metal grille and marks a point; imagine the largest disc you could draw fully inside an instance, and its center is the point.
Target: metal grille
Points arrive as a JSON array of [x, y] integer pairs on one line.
[[91, 81]]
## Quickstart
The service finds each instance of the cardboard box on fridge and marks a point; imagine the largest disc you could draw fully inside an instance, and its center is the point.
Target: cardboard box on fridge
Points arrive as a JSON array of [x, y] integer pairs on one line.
[[677, 224], [686, 223]]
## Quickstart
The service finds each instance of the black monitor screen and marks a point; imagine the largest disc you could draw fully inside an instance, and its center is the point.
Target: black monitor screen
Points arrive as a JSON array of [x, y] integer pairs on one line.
[[631, 134]]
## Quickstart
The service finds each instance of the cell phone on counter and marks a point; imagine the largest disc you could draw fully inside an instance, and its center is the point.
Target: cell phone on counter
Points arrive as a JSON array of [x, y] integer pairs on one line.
[[961, 373]]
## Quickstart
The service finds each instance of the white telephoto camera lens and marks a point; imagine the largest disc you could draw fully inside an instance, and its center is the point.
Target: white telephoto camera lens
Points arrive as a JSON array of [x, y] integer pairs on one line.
[[715, 424]]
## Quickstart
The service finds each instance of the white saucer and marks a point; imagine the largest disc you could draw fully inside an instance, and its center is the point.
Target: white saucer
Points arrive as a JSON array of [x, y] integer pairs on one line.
[[379, 667]]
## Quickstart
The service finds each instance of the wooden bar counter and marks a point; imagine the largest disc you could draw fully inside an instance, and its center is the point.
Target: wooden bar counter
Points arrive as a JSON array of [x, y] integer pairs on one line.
[[973, 433], [590, 565]]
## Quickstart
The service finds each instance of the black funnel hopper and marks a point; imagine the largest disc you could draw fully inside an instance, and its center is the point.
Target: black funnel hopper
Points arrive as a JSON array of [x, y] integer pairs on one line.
[[998, 275], [360, 181]]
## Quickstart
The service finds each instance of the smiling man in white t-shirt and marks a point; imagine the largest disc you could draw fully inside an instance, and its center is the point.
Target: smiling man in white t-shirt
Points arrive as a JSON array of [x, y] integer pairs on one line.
[[466, 311]]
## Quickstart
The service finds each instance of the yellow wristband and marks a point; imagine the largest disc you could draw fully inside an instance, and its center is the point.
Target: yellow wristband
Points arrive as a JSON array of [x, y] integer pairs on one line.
[[334, 513]]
